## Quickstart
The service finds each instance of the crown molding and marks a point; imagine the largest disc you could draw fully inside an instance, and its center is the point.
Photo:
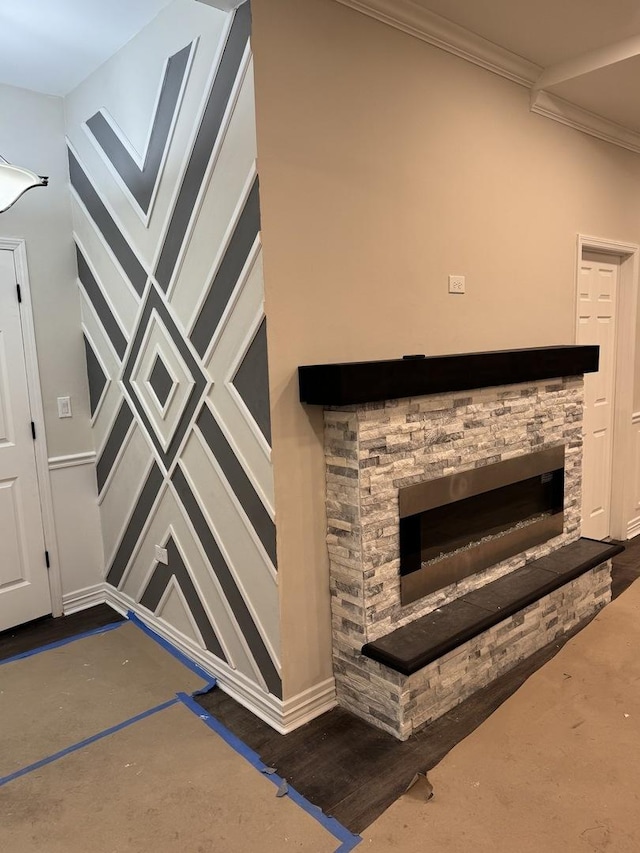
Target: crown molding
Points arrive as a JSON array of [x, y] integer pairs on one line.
[[416, 21], [569, 114], [411, 18]]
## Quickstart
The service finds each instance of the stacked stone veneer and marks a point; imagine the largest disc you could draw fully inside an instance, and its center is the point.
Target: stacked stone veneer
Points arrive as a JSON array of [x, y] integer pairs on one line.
[[375, 449]]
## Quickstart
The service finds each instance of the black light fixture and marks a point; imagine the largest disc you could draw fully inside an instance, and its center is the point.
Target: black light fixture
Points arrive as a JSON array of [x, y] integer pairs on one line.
[[15, 181]]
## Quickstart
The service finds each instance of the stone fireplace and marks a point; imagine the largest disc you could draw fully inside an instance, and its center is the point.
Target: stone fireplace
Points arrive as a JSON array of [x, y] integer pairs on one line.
[[447, 477]]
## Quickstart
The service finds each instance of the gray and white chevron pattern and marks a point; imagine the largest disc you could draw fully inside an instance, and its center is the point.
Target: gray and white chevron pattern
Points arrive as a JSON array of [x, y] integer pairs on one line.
[[170, 273]]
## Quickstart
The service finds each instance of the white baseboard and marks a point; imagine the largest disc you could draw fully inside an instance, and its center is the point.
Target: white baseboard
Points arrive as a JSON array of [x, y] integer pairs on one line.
[[633, 528], [309, 704], [81, 599], [283, 716]]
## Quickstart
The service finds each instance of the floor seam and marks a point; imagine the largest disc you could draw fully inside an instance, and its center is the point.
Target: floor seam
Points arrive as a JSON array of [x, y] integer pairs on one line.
[[56, 756]]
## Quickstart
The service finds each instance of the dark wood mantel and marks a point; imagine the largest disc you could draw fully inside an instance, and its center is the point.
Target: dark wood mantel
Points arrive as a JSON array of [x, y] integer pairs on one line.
[[354, 383]]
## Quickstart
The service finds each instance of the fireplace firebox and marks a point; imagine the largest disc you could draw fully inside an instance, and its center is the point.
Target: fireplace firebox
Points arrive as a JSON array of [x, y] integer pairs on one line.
[[455, 526]]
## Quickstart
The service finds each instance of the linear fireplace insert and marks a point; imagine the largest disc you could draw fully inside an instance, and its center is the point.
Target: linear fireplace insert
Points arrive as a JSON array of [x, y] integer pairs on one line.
[[455, 526]]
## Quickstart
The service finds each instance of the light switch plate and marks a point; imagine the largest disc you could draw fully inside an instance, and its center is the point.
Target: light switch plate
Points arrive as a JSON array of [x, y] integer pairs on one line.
[[64, 407], [456, 284]]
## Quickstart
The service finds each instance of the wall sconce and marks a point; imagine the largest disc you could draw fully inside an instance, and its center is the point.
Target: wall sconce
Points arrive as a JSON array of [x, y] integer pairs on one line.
[[15, 181]]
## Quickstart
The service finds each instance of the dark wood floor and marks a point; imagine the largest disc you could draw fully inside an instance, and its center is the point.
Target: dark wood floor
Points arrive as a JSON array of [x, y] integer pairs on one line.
[[626, 567], [352, 770], [348, 768]]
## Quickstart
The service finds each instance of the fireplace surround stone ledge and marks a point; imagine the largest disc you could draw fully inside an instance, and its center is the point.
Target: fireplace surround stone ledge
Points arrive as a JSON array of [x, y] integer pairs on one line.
[[421, 642], [376, 447], [402, 704]]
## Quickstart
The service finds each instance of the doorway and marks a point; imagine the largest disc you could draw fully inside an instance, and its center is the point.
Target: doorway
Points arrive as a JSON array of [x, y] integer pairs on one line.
[[606, 299], [24, 580]]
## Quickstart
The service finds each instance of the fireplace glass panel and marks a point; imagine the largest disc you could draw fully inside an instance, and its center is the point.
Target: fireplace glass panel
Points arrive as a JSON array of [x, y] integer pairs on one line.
[[458, 525], [449, 528]]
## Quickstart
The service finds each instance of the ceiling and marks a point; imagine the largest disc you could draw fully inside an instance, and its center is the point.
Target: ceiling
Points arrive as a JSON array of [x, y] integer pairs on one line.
[[50, 46], [588, 50]]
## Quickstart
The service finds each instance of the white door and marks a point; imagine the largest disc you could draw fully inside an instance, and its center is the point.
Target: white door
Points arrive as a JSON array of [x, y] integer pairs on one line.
[[597, 299], [24, 580]]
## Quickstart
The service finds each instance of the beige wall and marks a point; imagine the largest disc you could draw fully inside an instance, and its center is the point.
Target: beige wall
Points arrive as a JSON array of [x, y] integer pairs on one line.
[[386, 165], [32, 135]]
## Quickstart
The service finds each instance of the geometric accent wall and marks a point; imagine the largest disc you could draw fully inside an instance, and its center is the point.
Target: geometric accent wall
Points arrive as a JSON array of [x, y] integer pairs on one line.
[[170, 273]]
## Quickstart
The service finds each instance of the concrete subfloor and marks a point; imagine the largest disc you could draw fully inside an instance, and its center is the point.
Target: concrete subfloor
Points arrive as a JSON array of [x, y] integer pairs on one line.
[[167, 784], [102, 750], [54, 699], [553, 769]]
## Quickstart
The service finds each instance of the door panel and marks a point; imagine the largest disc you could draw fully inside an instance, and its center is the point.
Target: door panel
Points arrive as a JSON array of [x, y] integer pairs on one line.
[[24, 581], [7, 433], [597, 300], [12, 569]]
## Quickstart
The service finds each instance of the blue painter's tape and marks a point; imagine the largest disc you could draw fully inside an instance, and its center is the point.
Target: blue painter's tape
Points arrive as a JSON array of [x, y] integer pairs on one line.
[[346, 846], [166, 645], [65, 642], [86, 742], [349, 840], [233, 741], [340, 832]]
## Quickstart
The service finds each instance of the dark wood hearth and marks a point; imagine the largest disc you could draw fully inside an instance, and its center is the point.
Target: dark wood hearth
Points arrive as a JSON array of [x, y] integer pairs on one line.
[[428, 638]]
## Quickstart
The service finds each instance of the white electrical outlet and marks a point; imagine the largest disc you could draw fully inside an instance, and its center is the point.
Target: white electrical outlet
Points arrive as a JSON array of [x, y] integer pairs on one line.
[[64, 407], [456, 284], [161, 555]]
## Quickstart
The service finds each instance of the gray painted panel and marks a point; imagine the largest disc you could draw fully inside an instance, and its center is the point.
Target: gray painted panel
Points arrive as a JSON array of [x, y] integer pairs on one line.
[[239, 482], [161, 381], [113, 444], [252, 381], [141, 182], [229, 271], [95, 375], [155, 301], [233, 595], [158, 584], [204, 144], [127, 259], [96, 297], [137, 521]]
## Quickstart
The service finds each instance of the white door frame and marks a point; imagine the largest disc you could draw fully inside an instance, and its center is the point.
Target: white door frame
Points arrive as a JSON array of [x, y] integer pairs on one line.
[[629, 256], [19, 248]]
